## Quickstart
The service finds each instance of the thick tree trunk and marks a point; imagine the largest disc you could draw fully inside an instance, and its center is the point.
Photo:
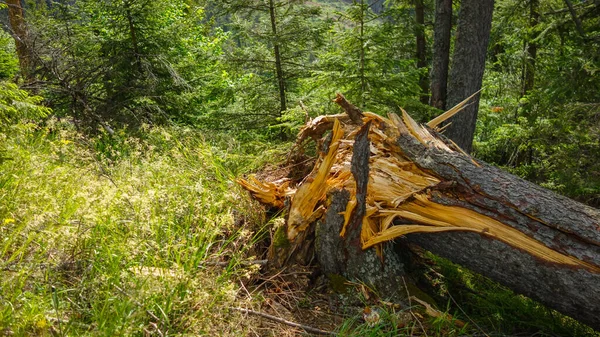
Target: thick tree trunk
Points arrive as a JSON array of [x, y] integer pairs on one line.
[[377, 179], [19, 30], [441, 53], [421, 47], [468, 64], [278, 66]]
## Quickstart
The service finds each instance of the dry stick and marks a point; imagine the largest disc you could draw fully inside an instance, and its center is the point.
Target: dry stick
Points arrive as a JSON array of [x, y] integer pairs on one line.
[[410, 307], [286, 322], [306, 116], [355, 113], [226, 263]]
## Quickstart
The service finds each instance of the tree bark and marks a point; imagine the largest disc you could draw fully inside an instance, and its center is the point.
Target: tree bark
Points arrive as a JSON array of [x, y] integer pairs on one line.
[[441, 53], [278, 66], [19, 29], [421, 47], [468, 65], [528, 79], [390, 177]]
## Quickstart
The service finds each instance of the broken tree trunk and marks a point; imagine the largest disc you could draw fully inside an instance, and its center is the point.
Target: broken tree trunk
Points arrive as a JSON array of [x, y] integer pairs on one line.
[[377, 179]]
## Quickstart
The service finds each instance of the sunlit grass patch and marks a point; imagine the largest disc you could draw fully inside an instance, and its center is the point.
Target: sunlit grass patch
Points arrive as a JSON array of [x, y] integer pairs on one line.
[[104, 235]]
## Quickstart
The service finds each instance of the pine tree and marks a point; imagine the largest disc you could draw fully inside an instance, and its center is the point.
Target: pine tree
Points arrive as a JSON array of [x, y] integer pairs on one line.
[[273, 44], [371, 57], [127, 61]]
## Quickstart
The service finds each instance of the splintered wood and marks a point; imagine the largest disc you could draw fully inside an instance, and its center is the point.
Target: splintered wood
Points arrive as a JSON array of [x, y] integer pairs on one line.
[[400, 193]]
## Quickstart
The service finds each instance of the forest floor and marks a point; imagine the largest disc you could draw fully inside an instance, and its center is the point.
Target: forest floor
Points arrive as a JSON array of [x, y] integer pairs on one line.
[[149, 235]]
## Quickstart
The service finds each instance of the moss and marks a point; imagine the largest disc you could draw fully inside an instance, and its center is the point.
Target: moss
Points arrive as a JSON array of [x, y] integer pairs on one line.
[[280, 239], [338, 283]]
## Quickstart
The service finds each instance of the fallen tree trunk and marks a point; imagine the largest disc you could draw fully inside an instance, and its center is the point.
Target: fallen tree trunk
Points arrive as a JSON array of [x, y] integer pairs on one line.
[[377, 179]]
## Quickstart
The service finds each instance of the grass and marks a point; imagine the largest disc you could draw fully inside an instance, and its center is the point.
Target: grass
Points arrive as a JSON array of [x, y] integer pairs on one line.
[[104, 235], [117, 235]]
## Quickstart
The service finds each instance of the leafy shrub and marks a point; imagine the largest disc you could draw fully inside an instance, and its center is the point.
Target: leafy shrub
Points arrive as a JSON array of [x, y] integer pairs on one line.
[[9, 64]]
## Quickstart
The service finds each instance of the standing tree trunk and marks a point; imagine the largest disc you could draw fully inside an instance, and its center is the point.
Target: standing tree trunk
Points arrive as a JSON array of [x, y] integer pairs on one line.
[[468, 65], [278, 67], [441, 53], [528, 78], [19, 30], [421, 47]]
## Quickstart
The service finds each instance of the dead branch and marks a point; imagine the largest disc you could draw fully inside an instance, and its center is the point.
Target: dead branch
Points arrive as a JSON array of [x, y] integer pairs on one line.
[[285, 321]]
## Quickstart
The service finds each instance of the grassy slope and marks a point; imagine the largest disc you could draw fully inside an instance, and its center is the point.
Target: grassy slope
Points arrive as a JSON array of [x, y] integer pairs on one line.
[[104, 237]]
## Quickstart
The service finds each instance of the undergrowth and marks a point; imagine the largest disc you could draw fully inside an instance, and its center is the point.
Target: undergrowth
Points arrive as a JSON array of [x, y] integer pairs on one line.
[[105, 235], [116, 234]]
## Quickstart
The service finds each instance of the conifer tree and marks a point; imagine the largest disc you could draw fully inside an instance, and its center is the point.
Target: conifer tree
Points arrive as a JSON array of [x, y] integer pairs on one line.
[[128, 61], [371, 58], [272, 45]]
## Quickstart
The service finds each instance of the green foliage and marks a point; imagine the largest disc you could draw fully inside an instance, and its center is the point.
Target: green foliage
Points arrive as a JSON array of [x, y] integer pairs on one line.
[[370, 58], [17, 104], [389, 325], [129, 61], [251, 59], [550, 136], [9, 64], [497, 310]]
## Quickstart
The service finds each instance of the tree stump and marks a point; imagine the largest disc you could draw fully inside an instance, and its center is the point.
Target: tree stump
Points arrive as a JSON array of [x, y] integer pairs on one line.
[[377, 179]]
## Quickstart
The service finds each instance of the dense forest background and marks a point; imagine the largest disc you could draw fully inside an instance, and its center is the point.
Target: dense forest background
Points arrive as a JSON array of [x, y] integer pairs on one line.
[[121, 112], [260, 66]]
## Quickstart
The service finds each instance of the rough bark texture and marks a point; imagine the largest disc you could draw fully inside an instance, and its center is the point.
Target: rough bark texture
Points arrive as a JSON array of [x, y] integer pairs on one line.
[[390, 177], [558, 222], [468, 64], [441, 53], [19, 30], [344, 255]]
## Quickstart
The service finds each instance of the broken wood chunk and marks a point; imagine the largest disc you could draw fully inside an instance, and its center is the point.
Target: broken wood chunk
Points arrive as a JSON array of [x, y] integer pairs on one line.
[[387, 178]]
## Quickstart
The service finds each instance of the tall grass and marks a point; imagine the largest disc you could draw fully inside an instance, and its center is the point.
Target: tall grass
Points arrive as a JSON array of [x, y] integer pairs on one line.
[[105, 235]]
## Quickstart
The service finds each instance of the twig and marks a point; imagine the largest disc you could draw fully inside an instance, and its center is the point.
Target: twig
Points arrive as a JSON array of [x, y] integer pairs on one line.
[[353, 112], [226, 263], [306, 116], [410, 308], [284, 321]]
